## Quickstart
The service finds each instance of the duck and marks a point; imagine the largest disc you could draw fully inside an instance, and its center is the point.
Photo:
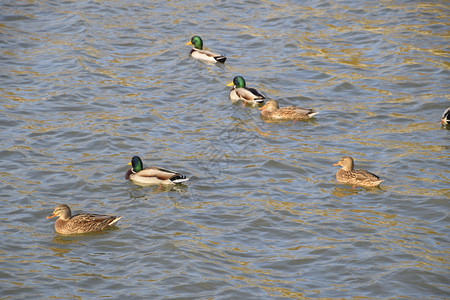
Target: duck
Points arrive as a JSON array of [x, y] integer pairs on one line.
[[445, 119], [358, 177], [152, 175], [80, 223], [241, 92], [271, 110], [198, 52]]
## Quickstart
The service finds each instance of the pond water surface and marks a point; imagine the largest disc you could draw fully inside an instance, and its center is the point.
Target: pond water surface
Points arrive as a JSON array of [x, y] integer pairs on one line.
[[86, 85]]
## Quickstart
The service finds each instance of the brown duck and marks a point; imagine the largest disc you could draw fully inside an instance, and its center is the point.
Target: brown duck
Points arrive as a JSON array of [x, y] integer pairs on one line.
[[271, 110], [347, 174], [80, 223]]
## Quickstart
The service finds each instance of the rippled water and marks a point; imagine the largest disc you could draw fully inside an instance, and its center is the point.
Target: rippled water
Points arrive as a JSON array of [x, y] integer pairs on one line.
[[88, 84]]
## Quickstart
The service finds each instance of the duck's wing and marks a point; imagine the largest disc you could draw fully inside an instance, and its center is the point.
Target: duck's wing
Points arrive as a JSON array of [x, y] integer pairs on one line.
[[293, 112], [249, 94], [207, 55], [90, 222], [256, 93], [162, 174], [362, 175]]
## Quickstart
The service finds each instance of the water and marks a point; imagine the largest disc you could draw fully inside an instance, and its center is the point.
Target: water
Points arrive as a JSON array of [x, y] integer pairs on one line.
[[88, 84]]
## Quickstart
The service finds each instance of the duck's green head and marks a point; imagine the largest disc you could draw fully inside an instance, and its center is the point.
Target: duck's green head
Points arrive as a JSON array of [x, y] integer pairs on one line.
[[238, 82], [136, 164], [196, 41]]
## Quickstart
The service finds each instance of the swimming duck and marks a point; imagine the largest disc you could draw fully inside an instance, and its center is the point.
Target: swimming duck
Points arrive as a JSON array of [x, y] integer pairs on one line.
[[80, 223], [347, 174], [151, 175], [271, 110], [241, 92], [445, 119], [198, 52]]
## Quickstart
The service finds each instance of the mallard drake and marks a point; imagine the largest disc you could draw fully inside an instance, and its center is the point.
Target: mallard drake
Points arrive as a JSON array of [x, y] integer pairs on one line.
[[445, 119], [198, 52], [347, 174], [80, 223], [271, 110], [241, 92], [151, 175]]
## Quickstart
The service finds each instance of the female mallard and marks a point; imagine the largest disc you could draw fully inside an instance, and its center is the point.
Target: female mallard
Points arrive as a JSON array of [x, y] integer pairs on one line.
[[445, 119], [272, 111], [198, 52], [347, 174], [241, 92], [80, 223], [151, 175]]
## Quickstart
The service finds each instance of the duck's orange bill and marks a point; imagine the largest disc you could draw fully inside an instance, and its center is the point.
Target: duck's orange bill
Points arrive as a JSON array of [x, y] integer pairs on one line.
[[189, 43], [336, 164], [51, 216]]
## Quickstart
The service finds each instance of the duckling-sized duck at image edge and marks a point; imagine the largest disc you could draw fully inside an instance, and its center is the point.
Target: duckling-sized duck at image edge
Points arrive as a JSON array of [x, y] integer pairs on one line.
[[271, 110], [445, 119], [347, 174], [80, 223], [152, 175], [240, 91], [198, 52]]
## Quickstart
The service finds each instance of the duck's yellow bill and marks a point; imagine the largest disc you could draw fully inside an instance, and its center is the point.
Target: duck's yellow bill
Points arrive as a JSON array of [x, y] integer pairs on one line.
[[230, 84], [51, 216], [189, 43], [129, 164]]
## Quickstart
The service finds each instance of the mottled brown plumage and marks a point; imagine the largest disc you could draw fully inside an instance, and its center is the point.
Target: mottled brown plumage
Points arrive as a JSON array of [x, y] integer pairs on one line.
[[271, 110], [347, 174], [80, 223]]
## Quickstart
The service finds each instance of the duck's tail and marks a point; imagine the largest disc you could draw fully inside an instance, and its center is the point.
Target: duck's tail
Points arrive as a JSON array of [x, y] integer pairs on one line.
[[179, 178], [114, 221], [312, 114], [220, 58]]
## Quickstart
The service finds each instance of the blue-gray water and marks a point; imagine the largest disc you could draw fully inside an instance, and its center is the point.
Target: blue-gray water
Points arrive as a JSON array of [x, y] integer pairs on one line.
[[85, 85]]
